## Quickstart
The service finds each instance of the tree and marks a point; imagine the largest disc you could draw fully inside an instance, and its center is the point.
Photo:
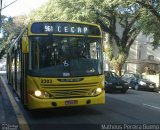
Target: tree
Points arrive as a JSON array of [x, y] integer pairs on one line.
[[152, 6], [150, 22], [126, 18], [11, 29], [109, 14]]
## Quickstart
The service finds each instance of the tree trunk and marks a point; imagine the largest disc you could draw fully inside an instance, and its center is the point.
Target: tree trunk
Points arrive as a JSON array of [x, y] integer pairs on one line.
[[118, 69], [117, 62]]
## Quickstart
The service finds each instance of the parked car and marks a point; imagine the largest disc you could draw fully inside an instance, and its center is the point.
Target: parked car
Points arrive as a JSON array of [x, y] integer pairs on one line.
[[114, 83], [138, 83]]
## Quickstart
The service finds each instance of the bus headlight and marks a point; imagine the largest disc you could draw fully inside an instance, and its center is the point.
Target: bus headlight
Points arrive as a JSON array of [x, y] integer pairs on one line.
[[42, 94], [95, 91], [37, 93], [98, 90]]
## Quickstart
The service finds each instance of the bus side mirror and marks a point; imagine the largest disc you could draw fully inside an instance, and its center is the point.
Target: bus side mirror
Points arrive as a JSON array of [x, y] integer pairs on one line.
[[24, 44]]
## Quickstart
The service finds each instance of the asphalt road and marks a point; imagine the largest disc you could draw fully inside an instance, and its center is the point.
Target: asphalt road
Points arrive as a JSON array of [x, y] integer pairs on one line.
[[135, 109]]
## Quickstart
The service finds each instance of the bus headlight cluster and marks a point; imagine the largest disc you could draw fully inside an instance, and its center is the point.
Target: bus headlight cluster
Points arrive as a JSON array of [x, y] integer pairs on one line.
[[37, 93], [41, 94], [98, 90], [95, 91]]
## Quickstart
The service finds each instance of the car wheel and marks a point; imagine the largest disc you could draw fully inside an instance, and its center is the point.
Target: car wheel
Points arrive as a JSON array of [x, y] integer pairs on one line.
[[136, 87]]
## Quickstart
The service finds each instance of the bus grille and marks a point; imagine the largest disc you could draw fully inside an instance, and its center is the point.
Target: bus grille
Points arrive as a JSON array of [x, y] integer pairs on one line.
[[69, 90]]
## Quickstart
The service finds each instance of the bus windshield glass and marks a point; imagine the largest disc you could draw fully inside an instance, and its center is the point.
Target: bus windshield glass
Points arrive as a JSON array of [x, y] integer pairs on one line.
[[65, 56]]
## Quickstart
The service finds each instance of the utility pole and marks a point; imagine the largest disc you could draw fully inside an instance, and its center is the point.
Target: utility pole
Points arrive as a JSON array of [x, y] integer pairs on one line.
[[0, 15]]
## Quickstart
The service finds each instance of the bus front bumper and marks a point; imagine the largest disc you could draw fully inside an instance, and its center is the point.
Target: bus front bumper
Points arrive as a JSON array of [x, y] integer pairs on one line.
[[37, 103]]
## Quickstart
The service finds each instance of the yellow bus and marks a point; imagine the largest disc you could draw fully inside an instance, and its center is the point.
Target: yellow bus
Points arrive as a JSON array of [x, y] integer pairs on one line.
[[56, 64]]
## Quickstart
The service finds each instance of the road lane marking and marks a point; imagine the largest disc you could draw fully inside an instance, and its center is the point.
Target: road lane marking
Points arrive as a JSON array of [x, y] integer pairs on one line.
[[21, 120], [152, 106]]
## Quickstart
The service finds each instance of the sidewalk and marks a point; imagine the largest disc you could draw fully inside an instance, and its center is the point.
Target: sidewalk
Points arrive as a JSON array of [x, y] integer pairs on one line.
[[2, 114], [8, 118]]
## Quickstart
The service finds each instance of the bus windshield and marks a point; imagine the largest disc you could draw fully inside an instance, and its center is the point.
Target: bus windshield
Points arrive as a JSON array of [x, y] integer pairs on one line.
[[65, 56]]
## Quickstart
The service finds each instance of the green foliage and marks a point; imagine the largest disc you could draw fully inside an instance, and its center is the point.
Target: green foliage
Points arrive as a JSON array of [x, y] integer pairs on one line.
[[150, 20], [150, 26], [132, 16], [64, 10], [11, 29], [106, 13]]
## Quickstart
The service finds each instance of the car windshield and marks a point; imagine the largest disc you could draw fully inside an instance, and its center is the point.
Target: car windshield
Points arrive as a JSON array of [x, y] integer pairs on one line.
[[111, 74], [65, 56]]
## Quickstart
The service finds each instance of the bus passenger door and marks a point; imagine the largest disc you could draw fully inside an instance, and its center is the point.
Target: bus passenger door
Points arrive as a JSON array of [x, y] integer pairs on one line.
[[13, 70], [18, 70]]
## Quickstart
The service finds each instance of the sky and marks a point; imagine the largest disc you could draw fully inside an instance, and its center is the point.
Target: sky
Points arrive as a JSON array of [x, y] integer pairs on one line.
[[20, 6]]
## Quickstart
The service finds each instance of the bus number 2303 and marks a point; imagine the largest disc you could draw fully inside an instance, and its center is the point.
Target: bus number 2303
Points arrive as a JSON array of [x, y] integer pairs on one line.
[[43, 81]]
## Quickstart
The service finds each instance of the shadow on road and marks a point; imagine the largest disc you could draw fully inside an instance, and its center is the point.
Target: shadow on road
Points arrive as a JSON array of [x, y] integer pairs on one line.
[[60, 112], [118, 92]]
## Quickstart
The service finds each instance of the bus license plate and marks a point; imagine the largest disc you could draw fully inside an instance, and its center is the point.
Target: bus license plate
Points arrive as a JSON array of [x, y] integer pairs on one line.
[[71, 102]]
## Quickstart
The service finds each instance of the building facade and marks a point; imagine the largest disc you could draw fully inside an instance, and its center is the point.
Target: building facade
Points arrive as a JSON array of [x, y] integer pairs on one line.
[[142, 58]]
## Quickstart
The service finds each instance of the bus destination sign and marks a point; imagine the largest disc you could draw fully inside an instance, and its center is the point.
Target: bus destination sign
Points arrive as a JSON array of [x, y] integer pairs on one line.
[[64, 28]]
